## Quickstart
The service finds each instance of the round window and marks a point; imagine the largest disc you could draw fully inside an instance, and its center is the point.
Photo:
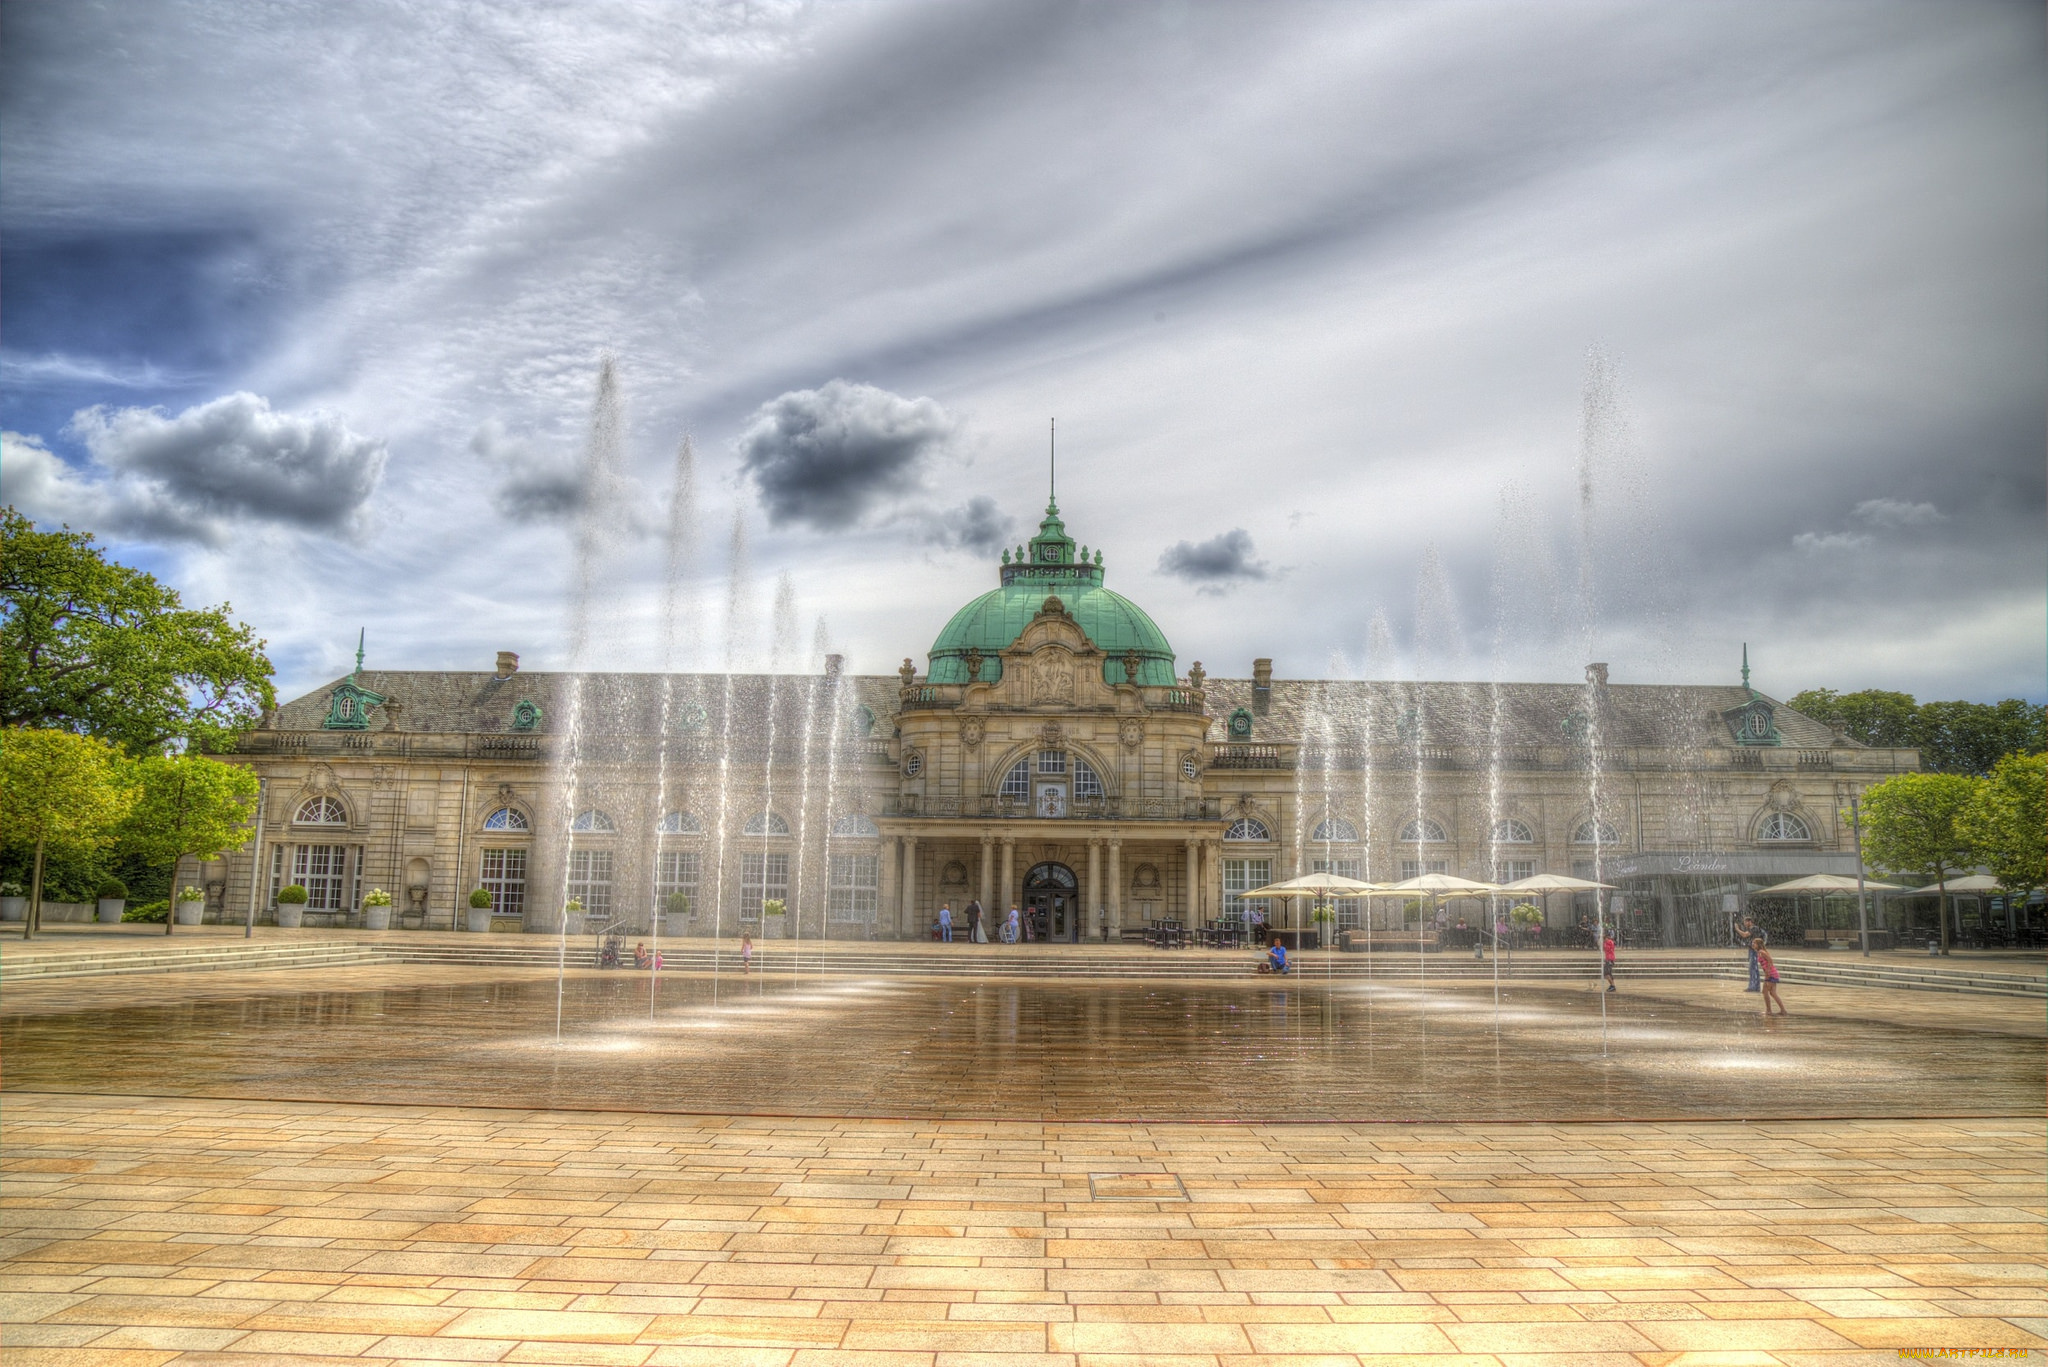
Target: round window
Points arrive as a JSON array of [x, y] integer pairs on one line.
[[1189, 768], [913, 763]]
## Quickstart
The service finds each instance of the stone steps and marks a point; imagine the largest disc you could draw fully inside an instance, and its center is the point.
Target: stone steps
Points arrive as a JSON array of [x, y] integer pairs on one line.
[[690, 956]]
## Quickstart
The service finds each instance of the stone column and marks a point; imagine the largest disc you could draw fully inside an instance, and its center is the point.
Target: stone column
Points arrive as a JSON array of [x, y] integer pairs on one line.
[[987, 879], [1009, 893], [1192, 913], [906, 916], [1094, 905], [1116, 888], [886, 896]]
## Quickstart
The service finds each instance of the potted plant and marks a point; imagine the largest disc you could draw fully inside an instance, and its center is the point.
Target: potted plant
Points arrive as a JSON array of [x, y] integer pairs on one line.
[[13, 902], [1323, 915], [773, 907], [479, 917], [113, 900], [191, 905], [376, 909], [572, 916], [291, 906]]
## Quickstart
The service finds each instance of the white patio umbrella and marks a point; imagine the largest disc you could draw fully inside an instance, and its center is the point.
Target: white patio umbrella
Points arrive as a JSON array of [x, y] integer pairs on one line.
[[1317, 886], [1544, 884], [1825, 883], [1975, 882]]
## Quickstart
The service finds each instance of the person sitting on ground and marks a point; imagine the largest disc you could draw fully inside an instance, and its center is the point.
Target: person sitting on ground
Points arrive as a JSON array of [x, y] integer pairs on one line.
[[1276, 957]]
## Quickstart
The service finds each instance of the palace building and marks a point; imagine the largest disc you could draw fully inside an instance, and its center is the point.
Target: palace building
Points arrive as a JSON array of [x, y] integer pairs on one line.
[[1052, 754]]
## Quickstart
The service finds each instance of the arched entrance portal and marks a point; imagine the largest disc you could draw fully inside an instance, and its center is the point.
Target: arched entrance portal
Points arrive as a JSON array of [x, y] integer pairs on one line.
[[1052, 899]]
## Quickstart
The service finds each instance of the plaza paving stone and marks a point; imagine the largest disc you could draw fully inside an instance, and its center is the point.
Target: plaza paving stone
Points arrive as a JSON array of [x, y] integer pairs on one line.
[[197, 1230]]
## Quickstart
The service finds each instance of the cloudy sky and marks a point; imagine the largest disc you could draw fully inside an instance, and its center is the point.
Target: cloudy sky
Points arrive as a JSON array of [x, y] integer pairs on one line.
[[1383, 337]]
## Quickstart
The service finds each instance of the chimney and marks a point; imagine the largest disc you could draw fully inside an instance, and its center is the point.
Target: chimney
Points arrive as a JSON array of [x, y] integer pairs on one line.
[[834, 665], [508, 664], [1262, 685], [1596, 675]]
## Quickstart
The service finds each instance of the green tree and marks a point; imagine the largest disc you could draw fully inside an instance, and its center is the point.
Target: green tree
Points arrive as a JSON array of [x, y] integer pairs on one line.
[[58, 791], [1971, 737], [1873, 716], [91, 646], [2007, 822], [186, 804], [1912, 824]]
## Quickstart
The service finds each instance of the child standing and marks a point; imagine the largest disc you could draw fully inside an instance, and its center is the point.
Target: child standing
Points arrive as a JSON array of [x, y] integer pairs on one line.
[[746, 954], [1770, 977], [1607, 959]]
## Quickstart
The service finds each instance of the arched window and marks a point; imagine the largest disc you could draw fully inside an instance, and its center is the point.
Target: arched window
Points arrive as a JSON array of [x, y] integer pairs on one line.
[[1784, 826], [853, 823], [1595, 833], [1017, 783], [1426, 830], [1247, 828], [322, 811], [593, 822], [1334, 828], [1087, 783], [766, 823], [507, 819], [1513, 832], [679, 823]]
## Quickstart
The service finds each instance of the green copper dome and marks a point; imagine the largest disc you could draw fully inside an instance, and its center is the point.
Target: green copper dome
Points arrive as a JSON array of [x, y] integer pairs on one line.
[[1050, 569]]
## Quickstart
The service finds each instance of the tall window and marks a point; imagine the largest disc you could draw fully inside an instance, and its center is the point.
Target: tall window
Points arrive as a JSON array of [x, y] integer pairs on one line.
[[322, 870], [1415, 868], [1052, 761], [1017, 783], [1783, 826], [1348, 908], [762, 876], [322, 811], [1241, 875], [676, 871], [507, 819], [1335, 828], [1424, 830], [853, 887], [1248, 828], [1513, 832], [504, 878], [590, 880], [1514, 870], [766, 823], [1087, 783]]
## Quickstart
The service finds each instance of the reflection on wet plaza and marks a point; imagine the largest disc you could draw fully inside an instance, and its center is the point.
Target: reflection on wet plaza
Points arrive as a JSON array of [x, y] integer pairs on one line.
[[1020, 1049]]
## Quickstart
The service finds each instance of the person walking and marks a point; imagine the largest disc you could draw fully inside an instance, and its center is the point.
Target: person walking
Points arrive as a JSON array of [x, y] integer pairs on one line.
[[946, 922], [746, 954], [975, 932], [1751, 936], [1607, 959], [1012, 927], [1770, 973]]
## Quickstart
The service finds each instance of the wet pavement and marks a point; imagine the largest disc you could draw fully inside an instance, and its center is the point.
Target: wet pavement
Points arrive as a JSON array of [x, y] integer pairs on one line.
[[1023, 1050]]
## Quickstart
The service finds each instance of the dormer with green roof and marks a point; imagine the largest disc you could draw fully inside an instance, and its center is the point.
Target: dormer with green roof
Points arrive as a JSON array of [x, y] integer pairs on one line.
[[1051, 565]]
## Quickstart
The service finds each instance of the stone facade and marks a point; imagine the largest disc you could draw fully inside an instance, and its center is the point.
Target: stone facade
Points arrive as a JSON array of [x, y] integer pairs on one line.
[[1066, 784]]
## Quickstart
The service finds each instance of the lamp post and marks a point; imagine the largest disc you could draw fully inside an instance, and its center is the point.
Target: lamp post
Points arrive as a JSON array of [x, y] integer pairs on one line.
[[1862, 916]]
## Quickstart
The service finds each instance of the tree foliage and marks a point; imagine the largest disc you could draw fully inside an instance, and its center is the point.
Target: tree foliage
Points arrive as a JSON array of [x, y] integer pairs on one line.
[[1952, 737], [2007, 822], [95, 647], [187, 804], [59, 791], [1912, 824]]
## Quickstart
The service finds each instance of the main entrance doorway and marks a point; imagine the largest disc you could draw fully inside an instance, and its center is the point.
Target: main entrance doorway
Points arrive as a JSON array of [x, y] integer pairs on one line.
[[1052, 901]]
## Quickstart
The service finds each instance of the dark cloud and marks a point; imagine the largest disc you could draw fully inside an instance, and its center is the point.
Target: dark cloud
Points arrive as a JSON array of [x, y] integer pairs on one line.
[[532, 487], [978, 525], [199, 475], [827, 457], [1216, 564]]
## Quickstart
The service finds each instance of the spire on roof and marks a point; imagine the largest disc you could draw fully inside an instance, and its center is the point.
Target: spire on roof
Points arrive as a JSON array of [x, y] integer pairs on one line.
[[361, 634], [1745, 670]]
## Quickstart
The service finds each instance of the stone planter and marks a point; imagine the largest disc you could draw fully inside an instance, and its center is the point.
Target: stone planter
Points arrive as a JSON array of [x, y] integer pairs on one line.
[[190, 913], [477, 919], [290, 915], [377, 918], [572, 923], [111, 909], [13, 908]]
